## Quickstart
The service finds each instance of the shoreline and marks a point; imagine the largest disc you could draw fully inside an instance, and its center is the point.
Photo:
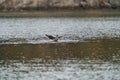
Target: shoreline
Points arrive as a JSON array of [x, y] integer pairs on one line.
[[61, 13], [21, 41]]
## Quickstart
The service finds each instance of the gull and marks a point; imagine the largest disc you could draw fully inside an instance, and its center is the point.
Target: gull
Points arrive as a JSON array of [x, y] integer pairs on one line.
[[54, 38]]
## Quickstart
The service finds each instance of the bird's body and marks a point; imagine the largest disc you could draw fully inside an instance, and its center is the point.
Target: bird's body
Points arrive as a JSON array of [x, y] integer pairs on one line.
[[54, 38]]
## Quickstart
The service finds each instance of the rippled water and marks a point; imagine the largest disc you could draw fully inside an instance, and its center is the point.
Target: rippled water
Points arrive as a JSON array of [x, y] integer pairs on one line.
[[88, 50], [34, 29], [61, 61], [59, 70]]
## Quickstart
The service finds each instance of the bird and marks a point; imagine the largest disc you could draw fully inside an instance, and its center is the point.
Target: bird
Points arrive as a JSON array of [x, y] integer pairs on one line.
[[54, 38]]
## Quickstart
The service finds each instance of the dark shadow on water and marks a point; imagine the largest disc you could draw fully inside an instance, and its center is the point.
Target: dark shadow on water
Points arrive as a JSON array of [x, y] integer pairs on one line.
[[89, 60], [99, 49]]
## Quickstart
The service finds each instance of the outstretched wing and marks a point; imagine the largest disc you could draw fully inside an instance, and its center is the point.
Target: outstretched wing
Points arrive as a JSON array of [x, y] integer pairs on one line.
[[59, 36], [50, 36]]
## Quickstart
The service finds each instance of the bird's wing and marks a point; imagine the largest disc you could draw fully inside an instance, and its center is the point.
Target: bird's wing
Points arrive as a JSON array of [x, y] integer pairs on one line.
[[50, 36], [59, 36]]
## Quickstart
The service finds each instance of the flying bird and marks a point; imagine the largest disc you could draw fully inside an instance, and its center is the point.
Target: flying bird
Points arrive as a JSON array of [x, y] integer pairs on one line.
[[54, 38]]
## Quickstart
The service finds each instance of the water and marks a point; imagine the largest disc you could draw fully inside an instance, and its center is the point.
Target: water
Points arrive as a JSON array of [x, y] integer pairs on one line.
[[64, 70], [61, 61], [33, 30], [88, 50]]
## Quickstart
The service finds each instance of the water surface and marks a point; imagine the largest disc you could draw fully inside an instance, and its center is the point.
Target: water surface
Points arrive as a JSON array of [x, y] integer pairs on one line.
[[33, 30], [88, 50]]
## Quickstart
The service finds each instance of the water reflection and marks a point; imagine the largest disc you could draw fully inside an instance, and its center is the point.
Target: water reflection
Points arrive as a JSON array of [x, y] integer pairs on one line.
[[90, 60], [94, 49]]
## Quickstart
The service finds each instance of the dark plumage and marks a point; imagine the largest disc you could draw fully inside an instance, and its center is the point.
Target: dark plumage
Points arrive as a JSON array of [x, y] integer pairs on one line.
[[54, 38], [50, 36]]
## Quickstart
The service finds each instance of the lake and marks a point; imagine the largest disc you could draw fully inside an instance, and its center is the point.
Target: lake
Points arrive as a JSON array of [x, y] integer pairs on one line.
[[89, 48]]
